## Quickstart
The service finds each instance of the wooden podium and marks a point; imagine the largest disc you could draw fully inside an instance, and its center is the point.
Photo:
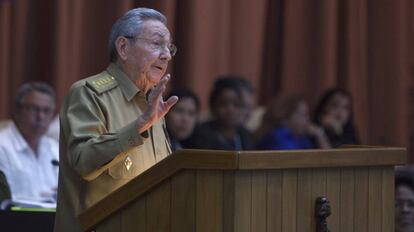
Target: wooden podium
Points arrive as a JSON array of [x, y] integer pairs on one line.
[[207, 190]]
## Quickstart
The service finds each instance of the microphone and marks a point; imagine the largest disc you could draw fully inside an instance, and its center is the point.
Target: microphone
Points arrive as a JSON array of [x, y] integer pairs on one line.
[[55, 163]]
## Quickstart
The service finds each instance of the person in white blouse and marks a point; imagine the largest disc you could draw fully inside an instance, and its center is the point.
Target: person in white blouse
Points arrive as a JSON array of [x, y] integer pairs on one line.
[[28, 158]]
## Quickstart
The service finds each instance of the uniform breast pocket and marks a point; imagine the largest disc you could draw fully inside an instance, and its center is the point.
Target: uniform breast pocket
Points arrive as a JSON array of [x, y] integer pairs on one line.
[[126, 168]]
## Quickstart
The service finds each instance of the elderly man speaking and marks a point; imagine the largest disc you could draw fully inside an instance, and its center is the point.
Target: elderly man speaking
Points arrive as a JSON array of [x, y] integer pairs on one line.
[[112, 124]]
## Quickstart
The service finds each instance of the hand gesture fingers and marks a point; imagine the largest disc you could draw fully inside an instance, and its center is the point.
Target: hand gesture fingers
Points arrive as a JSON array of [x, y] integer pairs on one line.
[[157, 107]]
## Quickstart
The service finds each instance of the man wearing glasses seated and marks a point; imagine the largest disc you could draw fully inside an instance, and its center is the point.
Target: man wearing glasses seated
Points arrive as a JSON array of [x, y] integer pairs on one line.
[[27, 156], [112, 124]]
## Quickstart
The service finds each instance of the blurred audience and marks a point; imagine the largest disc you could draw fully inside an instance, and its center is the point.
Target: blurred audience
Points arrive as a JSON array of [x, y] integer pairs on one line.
[[287, 125], [334, 115], [250, 116], [4, 188], [26, 155], [404, 201], [54, 128], [4, 123], [182, 118], [225, 131]]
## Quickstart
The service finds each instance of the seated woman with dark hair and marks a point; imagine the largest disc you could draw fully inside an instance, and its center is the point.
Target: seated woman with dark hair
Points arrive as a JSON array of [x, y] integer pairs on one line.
[[334, 115], [182, 118], [286, 125], [224, 131]]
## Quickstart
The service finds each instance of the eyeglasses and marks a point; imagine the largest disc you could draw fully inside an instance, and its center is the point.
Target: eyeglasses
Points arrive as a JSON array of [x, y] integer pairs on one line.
[[157, 44], [33, 109]]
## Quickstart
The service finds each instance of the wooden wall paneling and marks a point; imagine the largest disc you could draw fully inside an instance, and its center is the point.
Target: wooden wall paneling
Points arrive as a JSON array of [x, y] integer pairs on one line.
[[304, 200], [333, 189], [228, 204], [289, 194], [247, 188], [209, 201], [230, 160], [112, 224], [374, 199], [318, 190], [361, 199], [243, 201], [259, 201], [347, 199], [134, 217], [183, 194], [159, 208], [388, 205], [274, 201], [372, 156]]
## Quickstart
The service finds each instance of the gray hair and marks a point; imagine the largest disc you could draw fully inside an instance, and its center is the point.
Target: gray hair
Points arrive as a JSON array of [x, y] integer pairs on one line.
[[34, 86], [130, 24]]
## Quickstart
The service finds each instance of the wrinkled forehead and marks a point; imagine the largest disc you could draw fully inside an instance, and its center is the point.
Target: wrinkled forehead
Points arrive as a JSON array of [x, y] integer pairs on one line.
[[155, 29]]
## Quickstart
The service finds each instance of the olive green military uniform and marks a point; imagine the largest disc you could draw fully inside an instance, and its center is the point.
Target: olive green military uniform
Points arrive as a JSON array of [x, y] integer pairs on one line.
[[100, 146]]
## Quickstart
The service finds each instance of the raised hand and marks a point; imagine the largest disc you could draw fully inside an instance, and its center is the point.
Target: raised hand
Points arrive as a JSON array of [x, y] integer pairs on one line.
[[329, 121], [319, 134], [157, 107]]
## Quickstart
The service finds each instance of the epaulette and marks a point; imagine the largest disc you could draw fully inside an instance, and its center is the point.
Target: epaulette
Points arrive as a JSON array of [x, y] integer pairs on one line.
[[102, 84]]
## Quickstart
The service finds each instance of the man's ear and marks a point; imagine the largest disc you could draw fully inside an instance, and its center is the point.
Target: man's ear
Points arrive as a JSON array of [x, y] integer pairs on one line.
[[121, 44]]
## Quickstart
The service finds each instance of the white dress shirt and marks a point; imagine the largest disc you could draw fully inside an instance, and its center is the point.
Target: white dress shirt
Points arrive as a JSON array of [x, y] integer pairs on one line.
[[30, 177]]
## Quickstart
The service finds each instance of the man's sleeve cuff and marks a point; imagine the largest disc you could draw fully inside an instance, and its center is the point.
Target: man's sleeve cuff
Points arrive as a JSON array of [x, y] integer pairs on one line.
[[129, 137]]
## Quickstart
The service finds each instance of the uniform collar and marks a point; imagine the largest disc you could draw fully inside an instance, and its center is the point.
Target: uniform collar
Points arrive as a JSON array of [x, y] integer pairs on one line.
[[129, 89]]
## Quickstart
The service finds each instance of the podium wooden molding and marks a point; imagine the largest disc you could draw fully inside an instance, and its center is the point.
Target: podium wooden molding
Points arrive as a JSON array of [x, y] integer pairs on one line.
[[255, 191]]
